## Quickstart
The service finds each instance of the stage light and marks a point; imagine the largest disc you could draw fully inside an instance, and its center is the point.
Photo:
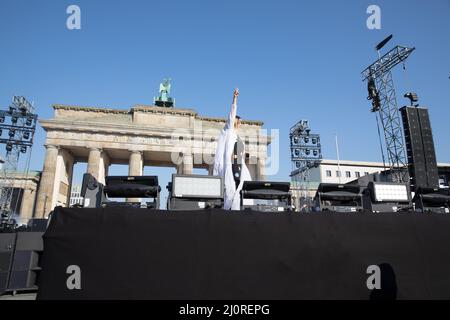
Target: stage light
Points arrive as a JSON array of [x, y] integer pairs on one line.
[[26, 135], [314, 140], [297, 152], [29, 121], [383, 43], [306, 139], [14, 119], [315, 153], [9, 147], [412, 96], [197, 186], [2, 119], [295, 140], [298, 164], [307, 152], [1, 132], [12, 133], [390, 192], [23, 149]]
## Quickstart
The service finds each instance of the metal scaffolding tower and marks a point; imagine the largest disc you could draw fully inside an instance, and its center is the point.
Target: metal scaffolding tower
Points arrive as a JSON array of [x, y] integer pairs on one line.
[[19, 121], [384, 101], [306, 153]]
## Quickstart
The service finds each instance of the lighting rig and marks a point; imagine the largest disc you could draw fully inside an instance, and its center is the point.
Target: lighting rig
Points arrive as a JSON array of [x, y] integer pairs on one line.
[[306, 153], [17, 128]]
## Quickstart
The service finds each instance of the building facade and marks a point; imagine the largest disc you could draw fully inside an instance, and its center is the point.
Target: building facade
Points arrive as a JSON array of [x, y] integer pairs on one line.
[[75, 196]]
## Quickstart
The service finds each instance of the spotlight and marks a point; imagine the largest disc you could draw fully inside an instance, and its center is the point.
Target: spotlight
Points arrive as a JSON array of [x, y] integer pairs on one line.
[[2, 119], [412, 96], [12, 133], [297, 152], [1, 132], [23, 149], [9, 147], [26, 135], [307, 152], [315, 153], [306, 139], [14, 119], [295, 140], [297, 164], [29, 121], [314, 140]]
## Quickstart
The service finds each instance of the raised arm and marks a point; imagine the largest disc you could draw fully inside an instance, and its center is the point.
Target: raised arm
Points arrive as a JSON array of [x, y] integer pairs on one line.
[[232, 115]]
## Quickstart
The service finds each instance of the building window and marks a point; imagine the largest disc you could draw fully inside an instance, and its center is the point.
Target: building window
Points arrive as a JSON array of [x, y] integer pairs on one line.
[[338, 174], [348, 174], [357, 174], [328, 173], [366, 173]]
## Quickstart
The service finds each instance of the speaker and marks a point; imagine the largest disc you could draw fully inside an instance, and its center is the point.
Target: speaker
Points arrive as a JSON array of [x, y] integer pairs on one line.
[[338, 197], [419, 144], [428, 148], [7, 245], [22, 280]]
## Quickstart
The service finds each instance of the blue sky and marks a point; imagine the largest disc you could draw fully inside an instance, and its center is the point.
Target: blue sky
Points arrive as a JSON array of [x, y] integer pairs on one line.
[[291, 60]]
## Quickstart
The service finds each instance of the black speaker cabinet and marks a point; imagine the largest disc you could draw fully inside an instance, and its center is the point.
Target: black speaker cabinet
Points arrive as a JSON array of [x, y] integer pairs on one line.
[[420, 147]]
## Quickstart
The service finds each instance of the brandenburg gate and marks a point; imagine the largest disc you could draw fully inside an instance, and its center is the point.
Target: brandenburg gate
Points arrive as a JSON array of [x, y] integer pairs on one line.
[[144, 135]]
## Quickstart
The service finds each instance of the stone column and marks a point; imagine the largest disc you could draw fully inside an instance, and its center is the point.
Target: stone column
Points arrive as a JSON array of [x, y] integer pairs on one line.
[[136, 163], [188, 164], [135, 168], [103, 167], [26, 208], [45, 192], [260, 169], [93, 166], [67, 174]]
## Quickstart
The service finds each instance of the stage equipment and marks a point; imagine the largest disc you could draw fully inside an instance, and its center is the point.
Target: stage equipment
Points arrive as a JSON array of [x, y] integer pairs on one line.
[[21, 129], [97, 195], [306, 153], [386, 197], [92, 192], [267, 196], [7, 245], [412, 97], [338, 197], [193, 192], [422, 162], [132, 187], [382, 93], [19, 260], [432, 200]]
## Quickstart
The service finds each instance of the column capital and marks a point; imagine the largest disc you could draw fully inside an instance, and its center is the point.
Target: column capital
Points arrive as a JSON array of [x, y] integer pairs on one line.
[[52, 146], [137, 152], [95, 149]]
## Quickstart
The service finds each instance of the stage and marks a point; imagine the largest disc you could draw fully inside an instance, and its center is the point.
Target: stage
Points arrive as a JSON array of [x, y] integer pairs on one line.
[[126, 253]]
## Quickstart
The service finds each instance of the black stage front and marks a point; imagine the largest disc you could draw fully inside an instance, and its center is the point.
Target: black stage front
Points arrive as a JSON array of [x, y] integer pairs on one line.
[[214, 254]]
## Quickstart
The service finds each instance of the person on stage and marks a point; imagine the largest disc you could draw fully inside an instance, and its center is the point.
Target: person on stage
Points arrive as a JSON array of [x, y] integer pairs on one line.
[[229, 161]]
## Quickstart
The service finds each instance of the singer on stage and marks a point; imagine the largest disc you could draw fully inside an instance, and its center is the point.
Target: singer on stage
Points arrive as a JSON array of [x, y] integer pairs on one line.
[[229, 161]]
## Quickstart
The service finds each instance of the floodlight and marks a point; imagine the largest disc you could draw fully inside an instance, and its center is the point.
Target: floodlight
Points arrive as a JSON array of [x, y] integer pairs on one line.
[[392, 192], [197, 186]]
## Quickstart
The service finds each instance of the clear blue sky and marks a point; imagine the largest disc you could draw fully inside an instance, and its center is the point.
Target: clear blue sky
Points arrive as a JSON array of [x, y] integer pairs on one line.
[[291, 60]]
